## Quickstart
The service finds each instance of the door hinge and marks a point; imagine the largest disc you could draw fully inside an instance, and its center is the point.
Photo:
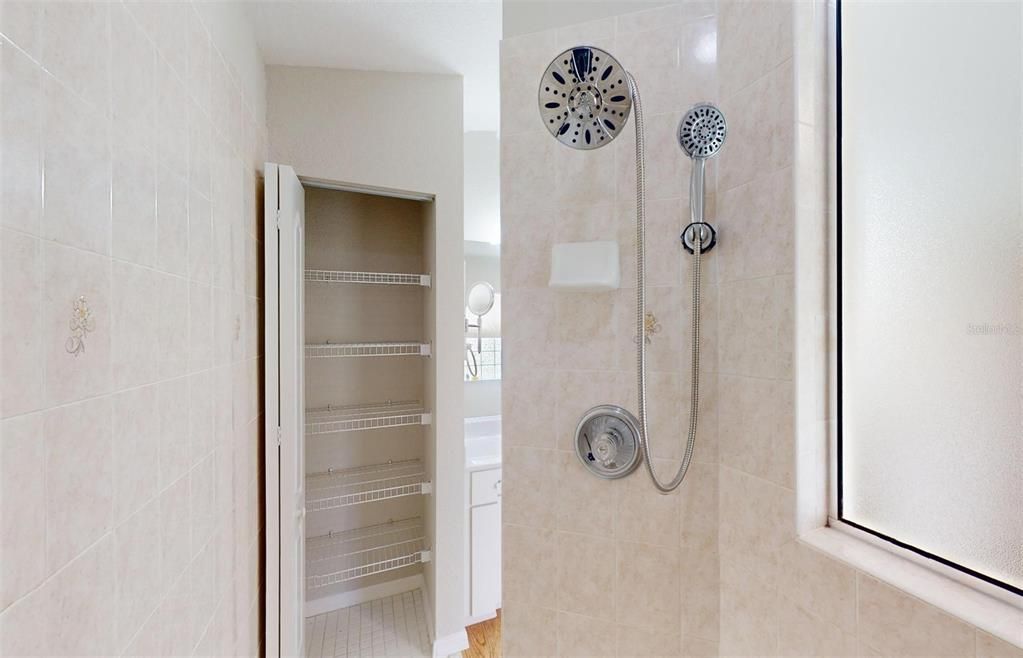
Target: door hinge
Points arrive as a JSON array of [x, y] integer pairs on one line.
[[277, 218], [278, 436]]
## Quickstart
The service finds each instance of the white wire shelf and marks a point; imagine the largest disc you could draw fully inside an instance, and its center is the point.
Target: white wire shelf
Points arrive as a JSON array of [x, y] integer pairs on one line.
[[354, 486], [341, 556], [352, 418], [383, 278], [334, 350]]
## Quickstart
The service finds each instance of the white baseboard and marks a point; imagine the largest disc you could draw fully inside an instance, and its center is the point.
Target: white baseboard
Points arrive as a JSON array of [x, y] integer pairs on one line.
[[450, 645], [357, 596], [469, 621]]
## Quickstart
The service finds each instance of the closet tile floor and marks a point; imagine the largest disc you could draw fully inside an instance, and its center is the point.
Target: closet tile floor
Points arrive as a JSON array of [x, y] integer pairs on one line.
[[392, 626]]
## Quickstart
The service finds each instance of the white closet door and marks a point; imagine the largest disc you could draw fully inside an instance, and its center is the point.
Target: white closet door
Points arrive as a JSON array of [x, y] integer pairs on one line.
[[285, 409]]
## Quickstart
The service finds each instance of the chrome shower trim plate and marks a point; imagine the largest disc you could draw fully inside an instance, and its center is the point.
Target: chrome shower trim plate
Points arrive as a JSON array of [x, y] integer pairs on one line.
[[584, 111], [607, 441]]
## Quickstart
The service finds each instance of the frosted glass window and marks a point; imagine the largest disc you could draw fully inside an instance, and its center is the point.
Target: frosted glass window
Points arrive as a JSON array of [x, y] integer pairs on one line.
[[931, 280]]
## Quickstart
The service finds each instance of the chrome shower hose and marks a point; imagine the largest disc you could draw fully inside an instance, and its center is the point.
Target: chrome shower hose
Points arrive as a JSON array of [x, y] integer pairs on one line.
[[694, 402], [474, 369]]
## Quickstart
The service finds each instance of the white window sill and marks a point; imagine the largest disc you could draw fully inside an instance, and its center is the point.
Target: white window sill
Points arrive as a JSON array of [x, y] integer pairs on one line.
[[1001, 616]]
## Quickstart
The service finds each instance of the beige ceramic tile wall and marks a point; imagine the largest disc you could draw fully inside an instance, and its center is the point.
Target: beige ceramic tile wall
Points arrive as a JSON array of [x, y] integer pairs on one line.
[[130, 503], [756, 480], [583, 556], [595, 567]]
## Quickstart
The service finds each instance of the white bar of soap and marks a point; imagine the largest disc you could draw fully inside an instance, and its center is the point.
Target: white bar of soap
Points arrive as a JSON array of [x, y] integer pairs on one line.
[[585, 266]]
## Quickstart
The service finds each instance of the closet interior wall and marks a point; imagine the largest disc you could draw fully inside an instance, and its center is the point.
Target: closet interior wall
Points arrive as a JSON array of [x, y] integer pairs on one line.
[[354, 232]]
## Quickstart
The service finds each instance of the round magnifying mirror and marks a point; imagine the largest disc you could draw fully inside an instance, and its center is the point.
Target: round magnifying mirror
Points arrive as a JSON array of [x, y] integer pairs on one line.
[[481, 298]]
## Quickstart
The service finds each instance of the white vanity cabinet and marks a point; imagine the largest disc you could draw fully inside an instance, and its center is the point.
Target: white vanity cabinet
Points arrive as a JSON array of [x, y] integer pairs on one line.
[[484, 543]]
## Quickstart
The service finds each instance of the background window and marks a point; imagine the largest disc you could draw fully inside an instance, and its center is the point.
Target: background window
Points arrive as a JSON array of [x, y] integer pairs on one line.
[[931, 280]]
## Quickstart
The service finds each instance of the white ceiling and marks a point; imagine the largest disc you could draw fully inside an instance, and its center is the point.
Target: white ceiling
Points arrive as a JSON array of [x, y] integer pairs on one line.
[[411, 36]]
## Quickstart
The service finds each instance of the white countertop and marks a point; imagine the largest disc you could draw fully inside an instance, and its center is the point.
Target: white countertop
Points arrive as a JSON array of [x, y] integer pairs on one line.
[[482, 443], [482, 464]]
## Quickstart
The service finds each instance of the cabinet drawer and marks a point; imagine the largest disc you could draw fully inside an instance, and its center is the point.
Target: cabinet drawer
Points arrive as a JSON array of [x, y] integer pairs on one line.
[[486, 487]]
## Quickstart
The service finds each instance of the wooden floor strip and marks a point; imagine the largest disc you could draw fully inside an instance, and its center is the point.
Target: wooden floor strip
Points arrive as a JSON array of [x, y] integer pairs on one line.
[[484, 639]]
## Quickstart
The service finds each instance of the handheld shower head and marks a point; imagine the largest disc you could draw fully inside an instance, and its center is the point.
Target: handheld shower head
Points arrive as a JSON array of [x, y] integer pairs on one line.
[[701, 133], [584, 98]]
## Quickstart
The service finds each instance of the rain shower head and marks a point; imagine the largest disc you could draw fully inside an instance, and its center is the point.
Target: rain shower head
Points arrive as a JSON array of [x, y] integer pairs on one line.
[[701, 133], [584, 98]]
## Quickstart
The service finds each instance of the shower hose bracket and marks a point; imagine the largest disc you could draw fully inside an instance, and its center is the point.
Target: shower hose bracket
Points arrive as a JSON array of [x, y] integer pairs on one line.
[[708, 236]]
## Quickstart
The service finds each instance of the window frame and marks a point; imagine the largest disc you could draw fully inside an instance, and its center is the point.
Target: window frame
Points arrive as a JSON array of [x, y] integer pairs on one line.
[[961, 573]]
